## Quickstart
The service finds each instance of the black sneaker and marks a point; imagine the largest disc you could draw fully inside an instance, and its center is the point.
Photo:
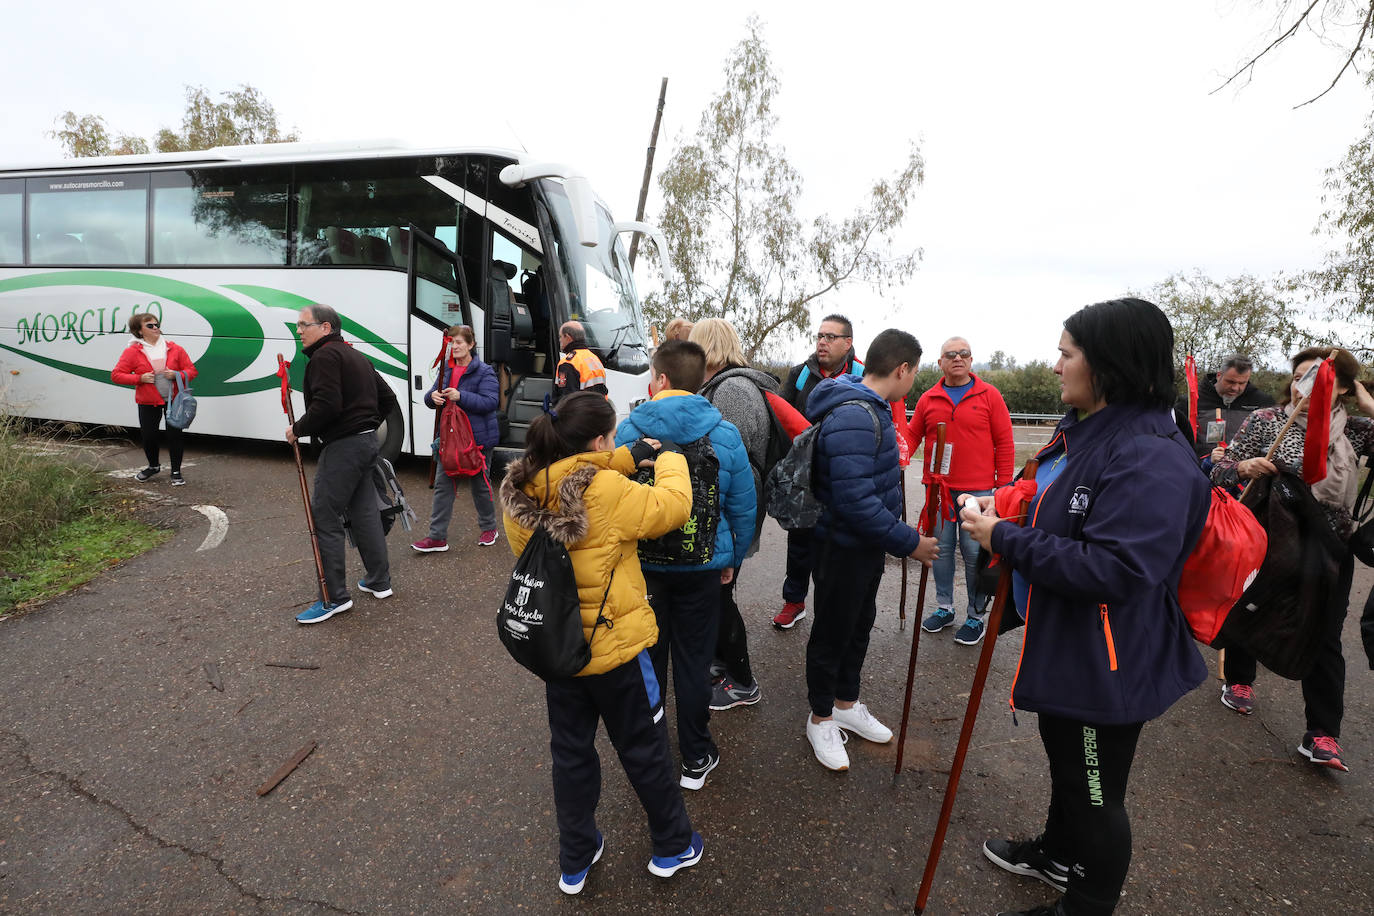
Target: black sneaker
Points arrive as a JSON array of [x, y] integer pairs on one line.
[[178, 480], [694, 774], [148, 472], [1028, 858]]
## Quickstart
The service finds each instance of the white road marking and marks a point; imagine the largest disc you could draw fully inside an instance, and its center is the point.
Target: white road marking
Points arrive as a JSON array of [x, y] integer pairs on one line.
[[219, 526], [130, 473]]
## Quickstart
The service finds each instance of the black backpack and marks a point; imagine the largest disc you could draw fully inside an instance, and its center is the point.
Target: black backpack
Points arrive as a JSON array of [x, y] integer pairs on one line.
[[790, 486], [540, 618], [694, 543], [391, 500]]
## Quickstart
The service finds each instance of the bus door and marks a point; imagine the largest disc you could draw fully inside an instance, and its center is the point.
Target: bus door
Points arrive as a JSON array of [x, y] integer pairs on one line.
[[437, 295]]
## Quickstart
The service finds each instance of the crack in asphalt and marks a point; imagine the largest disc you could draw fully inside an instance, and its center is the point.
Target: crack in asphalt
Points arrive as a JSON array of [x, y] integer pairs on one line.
[[74, 784]]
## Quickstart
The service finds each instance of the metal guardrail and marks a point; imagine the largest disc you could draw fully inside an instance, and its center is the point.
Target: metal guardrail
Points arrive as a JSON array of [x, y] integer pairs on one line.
[[1020, 417]]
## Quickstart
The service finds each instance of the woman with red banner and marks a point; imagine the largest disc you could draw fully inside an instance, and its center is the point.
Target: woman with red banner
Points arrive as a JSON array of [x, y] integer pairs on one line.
[[1316, 435]]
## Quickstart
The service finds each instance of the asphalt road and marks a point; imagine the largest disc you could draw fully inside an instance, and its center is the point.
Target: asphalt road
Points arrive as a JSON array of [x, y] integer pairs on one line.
[[128, 781]]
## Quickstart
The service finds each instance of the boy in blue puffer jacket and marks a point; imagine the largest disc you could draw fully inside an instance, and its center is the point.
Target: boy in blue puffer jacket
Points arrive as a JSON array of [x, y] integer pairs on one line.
[[685, 569], [857, 479]]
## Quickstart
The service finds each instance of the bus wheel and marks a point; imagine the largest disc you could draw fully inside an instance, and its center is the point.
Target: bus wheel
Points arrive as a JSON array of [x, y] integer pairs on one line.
[[391, 435]]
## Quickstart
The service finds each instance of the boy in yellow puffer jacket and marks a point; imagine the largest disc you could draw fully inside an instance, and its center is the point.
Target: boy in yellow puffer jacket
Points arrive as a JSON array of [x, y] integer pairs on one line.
[[572, 483]]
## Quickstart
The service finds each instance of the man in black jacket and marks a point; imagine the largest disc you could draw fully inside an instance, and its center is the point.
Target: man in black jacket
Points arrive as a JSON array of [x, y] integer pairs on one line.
[[1228, 392], [834, 356], [345, 401]]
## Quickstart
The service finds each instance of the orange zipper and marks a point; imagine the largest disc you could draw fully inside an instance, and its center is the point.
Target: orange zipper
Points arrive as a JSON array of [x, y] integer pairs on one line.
[[1107, 632]]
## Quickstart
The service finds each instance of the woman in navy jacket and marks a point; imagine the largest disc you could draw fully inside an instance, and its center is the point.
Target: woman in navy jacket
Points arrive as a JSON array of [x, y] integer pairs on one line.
[[477, 393], [1119, 506]]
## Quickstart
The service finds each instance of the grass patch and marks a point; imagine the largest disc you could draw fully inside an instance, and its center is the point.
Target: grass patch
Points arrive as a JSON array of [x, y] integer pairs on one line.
[[72, 554], [59, 526]]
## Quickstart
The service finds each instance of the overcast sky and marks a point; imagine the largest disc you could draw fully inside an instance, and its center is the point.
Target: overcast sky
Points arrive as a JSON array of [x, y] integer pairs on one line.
[[1072, 149]]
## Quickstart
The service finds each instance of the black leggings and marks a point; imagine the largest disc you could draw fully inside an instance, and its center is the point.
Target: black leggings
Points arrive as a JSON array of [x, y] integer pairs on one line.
[[149, 421], [1087, 828]]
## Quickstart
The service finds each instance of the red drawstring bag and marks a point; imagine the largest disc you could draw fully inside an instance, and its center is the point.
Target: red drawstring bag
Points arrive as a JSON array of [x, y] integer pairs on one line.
[[1224, 562], [459, 453]]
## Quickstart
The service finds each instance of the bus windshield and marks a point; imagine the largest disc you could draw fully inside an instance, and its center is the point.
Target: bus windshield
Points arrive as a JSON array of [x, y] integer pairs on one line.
[[601, 291]]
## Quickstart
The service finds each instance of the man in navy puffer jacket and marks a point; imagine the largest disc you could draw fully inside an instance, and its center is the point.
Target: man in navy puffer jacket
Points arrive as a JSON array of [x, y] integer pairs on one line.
[[858, 481]]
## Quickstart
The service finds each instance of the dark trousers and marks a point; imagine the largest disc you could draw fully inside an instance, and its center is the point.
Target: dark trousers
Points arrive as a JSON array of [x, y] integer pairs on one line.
[[1323, 690], [627, 699], [847, 580], [732, 640], [343, 483], [798, 578], [1087, 828], [149, 424], [686, 605]]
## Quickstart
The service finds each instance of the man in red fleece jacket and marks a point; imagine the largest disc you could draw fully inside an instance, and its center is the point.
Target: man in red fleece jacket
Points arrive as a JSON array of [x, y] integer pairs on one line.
[[979, 455]]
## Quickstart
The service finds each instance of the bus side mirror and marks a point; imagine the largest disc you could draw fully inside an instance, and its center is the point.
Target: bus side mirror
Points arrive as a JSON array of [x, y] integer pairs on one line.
[[660, 242], [575, 183]]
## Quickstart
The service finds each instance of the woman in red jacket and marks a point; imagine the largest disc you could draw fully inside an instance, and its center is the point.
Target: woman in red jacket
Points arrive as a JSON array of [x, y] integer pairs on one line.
[[151, 364]]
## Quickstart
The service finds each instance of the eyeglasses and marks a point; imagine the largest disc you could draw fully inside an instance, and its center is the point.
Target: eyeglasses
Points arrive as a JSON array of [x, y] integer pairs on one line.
[[831, 338], [302, 325], [957, 354], [151, 324]]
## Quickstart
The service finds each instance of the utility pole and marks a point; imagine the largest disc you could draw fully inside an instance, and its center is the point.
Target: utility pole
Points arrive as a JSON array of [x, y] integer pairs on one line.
[[648, 170]]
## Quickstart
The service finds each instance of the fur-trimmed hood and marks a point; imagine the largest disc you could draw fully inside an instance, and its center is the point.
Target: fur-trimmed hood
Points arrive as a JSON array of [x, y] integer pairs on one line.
[[589, 504], [565, 518]]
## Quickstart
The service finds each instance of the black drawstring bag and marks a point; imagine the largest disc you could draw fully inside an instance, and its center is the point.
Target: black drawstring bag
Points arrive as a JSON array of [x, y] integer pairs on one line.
[[540, 618]]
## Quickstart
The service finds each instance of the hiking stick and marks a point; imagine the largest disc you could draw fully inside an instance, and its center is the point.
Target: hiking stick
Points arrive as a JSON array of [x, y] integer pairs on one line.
[[901, 604], [1269, 455], [300, 471], [930, 512], [975, 697]]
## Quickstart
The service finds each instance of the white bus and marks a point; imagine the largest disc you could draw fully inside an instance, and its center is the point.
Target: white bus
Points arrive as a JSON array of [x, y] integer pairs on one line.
[[226, 245]]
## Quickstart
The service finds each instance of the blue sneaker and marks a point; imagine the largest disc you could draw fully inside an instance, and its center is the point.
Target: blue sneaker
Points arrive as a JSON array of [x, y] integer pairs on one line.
[[667, 866], [936, 622], [573, 884], [319, 612], [971, 633]]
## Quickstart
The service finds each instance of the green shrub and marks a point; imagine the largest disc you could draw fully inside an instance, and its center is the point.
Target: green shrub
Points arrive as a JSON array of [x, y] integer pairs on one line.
[[39, 487]]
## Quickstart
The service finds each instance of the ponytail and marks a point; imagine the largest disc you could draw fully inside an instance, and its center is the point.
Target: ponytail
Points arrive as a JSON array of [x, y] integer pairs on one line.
[[566, 429]]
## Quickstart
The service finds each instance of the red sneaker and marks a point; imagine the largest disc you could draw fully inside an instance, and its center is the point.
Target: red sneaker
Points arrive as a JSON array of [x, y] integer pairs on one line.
[[1323, 751], [488, 538], [791, 612], [430, 545]]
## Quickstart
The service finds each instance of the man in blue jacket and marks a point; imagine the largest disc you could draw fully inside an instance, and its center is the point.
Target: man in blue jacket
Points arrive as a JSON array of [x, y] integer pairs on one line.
[[685, 569], [858, 482]]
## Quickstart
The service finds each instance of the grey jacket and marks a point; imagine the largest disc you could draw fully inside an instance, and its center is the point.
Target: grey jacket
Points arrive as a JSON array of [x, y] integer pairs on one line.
[[735, 393]]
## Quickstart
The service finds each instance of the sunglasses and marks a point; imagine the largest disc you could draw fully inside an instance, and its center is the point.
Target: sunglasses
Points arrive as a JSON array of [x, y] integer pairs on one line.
[[151, 324], [957, 354]]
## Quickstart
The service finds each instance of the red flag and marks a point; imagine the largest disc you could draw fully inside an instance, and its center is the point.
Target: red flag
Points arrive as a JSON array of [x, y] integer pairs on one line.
[[905, 445], [1318, 438], [282, 366], [1190, 373]]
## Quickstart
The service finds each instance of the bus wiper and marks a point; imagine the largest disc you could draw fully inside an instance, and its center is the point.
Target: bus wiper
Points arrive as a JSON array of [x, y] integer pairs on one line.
[[617, 340]]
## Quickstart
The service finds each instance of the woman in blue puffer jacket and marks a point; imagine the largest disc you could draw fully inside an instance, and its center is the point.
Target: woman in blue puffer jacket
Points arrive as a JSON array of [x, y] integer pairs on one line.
[[1119, 505], [465, 383]]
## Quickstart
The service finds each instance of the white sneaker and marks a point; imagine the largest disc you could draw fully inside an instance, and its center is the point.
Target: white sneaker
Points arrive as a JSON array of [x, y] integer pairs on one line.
[[828, 742], [860, 721]]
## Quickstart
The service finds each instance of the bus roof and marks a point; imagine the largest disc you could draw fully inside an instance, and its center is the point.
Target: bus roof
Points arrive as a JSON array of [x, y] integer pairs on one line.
[[261, 153]]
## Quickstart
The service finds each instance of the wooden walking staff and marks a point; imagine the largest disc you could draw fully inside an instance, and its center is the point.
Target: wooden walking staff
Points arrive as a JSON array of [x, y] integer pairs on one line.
[[1304, 387], [930, 514], [282, 366], [975, 697]]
